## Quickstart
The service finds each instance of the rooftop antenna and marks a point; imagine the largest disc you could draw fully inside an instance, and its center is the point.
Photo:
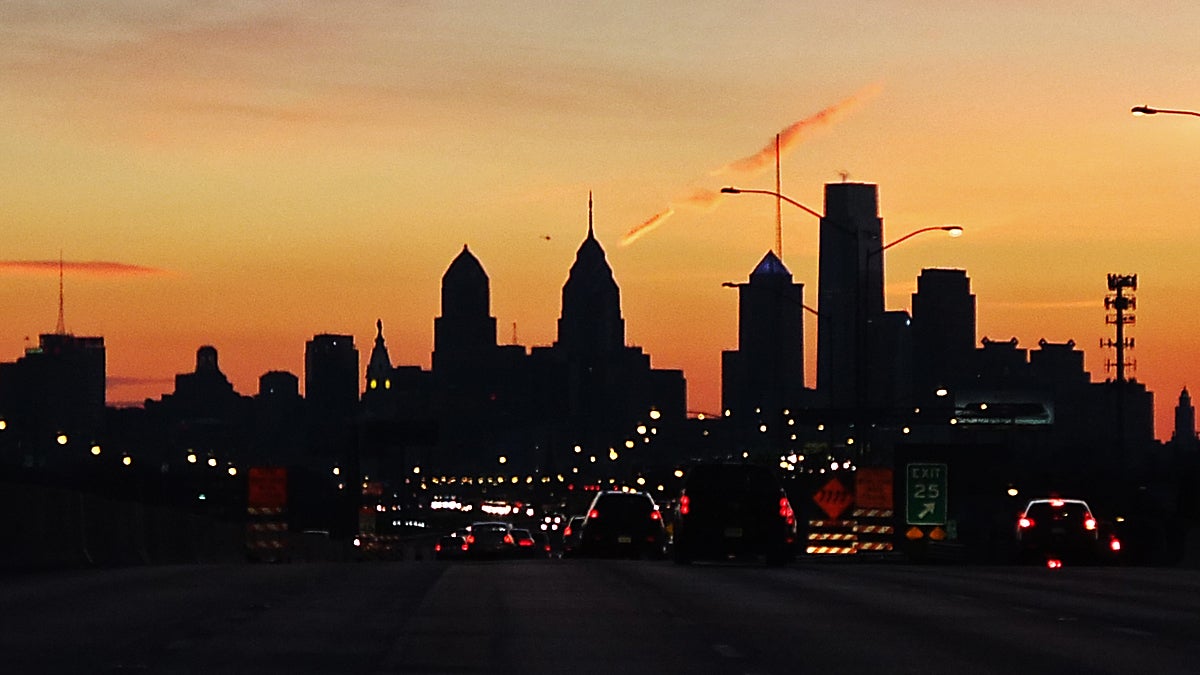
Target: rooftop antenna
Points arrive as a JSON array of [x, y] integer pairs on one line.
[[591, 234], [61, 328]]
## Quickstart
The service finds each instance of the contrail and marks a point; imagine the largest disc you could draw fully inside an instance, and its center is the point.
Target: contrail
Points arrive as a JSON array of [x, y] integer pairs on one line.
[[700, 197], [791, 136], [795, 132], [646, 227], [97, 268]]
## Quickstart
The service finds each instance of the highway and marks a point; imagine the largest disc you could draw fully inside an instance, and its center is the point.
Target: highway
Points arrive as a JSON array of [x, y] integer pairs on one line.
[[601, 616]]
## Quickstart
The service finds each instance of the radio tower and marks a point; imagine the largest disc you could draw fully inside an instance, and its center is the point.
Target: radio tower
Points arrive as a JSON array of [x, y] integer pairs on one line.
[[61, 328], [1120, 303]]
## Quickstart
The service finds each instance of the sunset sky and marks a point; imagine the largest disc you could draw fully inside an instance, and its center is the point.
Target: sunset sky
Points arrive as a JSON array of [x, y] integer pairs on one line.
[[246, 174]]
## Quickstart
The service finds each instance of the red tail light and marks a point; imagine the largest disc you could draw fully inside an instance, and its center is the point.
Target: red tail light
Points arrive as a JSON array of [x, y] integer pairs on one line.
[[1114, 545], [684, 505], [567, 531], [508, 539], [594, 513], [1053, 563], [437, 548], [655, 515], [465, 547], [1025, 523], [1089, 523], [785, 511], [468, 540], [525, 543]]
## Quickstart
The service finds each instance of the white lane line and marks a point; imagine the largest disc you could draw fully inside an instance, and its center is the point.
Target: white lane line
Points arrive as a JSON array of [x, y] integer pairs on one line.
[[1133, 631]]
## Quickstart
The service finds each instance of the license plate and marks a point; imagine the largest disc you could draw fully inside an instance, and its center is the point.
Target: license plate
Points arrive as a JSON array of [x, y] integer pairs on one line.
[[733, 532], [624, 540]]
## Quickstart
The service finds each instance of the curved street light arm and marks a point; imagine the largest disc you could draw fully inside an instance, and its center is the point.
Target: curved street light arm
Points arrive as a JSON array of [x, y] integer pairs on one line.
[[954, 231], [729, 190], [1147, 110]]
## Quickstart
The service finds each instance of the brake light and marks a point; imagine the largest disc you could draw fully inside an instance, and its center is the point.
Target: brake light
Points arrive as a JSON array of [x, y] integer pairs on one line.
[[567, 531], [683, 505], [525, 543], [437, 548], [594, 513], [1054, 563], [1056, 503], [655, 515], [1114, 545], [469, 539], [1025, 523], [1089, 523], [508, 539], [785, 511], [465, 547]]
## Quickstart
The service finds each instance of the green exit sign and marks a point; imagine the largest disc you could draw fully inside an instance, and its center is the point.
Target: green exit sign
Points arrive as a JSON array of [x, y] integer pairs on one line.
[[925, 486]]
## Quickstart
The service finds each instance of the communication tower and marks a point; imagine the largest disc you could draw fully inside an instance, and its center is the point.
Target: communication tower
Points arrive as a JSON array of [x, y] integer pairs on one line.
[[1119, 306]]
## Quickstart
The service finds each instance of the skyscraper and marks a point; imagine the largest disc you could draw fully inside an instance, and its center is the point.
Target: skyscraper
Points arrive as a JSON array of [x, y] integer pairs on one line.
[[850, 290], [766, 372], [591, 325], [943, 317], [465, 333], [331, 376]]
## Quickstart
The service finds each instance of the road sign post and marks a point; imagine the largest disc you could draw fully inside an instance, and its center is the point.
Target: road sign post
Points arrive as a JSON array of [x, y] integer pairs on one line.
[[925, 488]]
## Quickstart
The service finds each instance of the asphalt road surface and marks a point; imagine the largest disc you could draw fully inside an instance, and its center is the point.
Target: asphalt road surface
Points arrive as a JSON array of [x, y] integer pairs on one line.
[[601, 616]]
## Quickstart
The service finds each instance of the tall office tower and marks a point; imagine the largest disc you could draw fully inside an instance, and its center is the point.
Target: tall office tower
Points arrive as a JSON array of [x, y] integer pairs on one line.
[[766, 372], [1184, 435], [591, 325], [849, 291], [943, 331], [56, 388], [331, 376], [465, 334]]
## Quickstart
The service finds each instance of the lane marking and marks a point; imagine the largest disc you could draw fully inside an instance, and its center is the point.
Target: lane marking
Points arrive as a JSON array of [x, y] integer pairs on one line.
[[1133, 631]]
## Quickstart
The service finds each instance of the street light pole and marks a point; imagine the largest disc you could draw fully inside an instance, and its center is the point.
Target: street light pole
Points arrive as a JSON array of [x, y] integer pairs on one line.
[[1141, 110]]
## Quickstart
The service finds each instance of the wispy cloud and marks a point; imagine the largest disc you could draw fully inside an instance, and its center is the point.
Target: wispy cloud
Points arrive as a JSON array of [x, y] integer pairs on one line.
[[91, 268], [789, 137]]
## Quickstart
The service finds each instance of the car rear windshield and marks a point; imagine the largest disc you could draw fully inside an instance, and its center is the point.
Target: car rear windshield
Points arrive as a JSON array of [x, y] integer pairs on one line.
[[624, 505], [1070, 512]]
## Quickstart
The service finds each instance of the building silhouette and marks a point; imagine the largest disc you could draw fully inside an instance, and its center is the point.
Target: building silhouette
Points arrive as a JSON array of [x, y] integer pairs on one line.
[[331, 394], [943, 332], [1184, 433], [534, 407], [764, 376], [849, 291], [55, 389]]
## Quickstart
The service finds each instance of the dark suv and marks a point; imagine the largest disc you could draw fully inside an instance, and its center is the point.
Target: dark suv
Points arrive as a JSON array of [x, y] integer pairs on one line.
[[1054, 528], [623, 524], [734, 510]]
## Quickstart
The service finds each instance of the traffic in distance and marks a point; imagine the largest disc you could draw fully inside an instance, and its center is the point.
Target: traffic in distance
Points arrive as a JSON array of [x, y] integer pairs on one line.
[[729, 511]]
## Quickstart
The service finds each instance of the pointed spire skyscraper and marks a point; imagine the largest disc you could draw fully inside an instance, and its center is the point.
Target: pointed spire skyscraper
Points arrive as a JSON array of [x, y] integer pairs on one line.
[[591, 322]]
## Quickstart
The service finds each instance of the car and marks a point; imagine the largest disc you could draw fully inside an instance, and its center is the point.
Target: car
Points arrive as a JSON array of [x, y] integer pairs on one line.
[[570, 536], [623, 524], [733, 510], [450, 546], [1054, 529], [491, 539], [527, 546]]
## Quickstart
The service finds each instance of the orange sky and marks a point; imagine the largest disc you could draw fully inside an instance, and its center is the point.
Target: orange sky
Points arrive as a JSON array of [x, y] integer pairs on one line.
[[284, 170]]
